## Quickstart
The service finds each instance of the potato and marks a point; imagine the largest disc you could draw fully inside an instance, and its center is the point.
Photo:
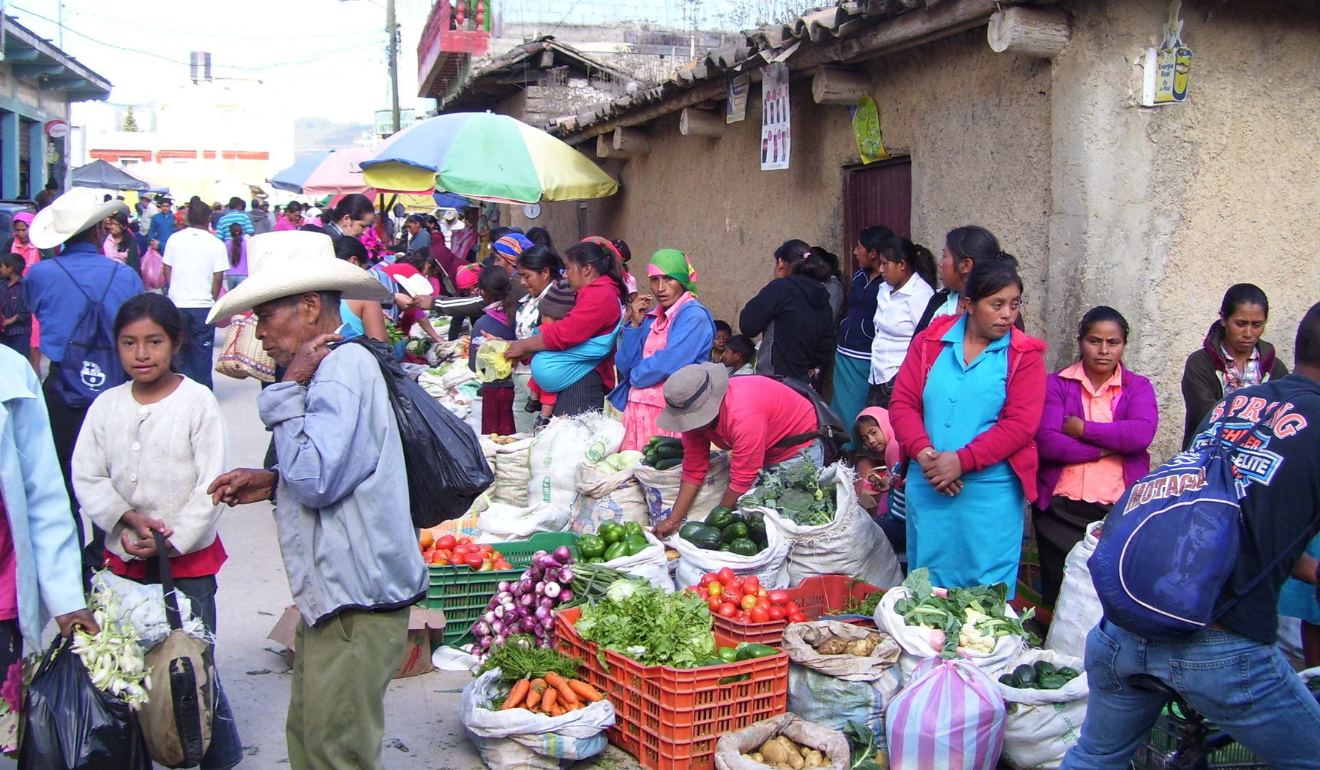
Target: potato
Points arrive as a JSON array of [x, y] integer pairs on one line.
[[774, 752], [833, 646], [861, 648], [815, 759], [756, 757]]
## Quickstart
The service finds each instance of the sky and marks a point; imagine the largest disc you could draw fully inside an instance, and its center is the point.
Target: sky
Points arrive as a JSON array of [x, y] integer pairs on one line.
[[328, 57]]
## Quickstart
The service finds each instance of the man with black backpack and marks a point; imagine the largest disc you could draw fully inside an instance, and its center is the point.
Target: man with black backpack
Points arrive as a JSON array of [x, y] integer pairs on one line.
[[1194, 610], [75, 297]]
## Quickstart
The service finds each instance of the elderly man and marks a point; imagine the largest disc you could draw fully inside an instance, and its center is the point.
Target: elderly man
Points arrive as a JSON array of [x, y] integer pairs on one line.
[[341, 497]]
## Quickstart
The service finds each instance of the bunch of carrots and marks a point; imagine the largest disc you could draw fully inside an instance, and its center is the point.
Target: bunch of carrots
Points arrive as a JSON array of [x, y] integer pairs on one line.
[[552, 695]]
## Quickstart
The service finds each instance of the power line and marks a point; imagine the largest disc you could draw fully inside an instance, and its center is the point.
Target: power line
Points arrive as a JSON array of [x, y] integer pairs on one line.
[[236, 36]]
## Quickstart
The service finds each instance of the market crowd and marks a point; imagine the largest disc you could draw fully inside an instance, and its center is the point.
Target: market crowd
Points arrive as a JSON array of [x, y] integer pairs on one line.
[[960, 437]]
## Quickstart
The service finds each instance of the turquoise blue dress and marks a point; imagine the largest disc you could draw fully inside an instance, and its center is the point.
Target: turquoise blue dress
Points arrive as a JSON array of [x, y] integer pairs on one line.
[[352, 324], [974, 537], [1297, 599]]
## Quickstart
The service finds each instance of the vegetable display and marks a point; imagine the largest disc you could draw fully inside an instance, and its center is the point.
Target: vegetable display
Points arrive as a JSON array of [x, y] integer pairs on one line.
[[396, 335], [837, 645], [461, 552], [653, 628], [417, 346], [727, 530], [1041, 676], [865, 606], [960, 619], [114, 659], [781, 753], [526, 606], [744, 600], [519, 657], [613, 541], [663, 453], [552, 695], [795, 493]]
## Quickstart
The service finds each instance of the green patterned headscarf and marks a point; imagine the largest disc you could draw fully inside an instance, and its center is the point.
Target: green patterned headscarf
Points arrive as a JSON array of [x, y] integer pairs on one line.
[[676, 265]]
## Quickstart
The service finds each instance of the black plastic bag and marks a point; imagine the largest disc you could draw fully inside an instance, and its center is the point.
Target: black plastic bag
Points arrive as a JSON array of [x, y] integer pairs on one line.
[[68, 724], [447, 471]]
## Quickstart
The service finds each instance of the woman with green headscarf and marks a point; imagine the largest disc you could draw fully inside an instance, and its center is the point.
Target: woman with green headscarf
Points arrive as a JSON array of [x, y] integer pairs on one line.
[[662, 333]]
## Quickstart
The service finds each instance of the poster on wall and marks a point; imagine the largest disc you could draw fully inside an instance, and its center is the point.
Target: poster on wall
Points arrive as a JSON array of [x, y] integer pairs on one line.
[[1167, 68], [776, 117], [866, 130], [736, 107]]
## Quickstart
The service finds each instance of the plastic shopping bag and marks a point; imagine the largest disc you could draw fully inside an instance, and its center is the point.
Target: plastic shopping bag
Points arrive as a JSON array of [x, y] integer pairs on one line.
[[491, 363], [915, 640], [68, 724], [949, 716], [518, 739], [152, 267]]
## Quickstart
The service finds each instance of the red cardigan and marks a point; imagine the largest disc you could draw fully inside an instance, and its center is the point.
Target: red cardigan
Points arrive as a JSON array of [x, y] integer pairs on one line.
[[596, 312], [1012, 438]]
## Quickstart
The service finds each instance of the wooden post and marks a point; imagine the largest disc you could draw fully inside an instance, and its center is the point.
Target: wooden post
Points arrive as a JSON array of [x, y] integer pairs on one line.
[[1029, 31], [832, 85], [694, 122], [630, 142], [605, 147]]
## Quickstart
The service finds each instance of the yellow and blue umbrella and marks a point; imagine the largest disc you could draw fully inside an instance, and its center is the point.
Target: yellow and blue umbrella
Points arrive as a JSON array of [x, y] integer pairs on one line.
[[488, 157]]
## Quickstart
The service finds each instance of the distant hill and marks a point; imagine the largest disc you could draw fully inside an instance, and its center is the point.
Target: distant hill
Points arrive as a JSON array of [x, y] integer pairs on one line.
[[316, 134]]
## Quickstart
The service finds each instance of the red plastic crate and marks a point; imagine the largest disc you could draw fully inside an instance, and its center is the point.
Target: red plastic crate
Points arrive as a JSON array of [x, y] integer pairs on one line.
[[815, 596], [669, 718]]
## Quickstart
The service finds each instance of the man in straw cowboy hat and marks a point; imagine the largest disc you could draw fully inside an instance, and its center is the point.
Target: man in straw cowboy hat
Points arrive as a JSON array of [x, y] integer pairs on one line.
[[341, 497], [59, 291]]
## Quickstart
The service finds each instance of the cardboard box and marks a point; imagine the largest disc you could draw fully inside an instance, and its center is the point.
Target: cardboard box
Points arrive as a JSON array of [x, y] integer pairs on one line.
[[423, 625]]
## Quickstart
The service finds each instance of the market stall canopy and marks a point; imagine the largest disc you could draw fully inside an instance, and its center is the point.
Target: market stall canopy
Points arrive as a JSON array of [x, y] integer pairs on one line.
[[104, 176], [488, 157], [333, 172], [446, 200]]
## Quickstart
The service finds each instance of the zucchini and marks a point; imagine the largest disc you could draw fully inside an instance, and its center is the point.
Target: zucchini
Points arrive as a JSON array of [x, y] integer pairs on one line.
[[668, 452], [667, 463], [703, 536]]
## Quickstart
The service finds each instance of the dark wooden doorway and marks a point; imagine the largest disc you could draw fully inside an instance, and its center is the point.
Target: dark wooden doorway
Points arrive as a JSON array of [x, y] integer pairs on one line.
[[876, 194]]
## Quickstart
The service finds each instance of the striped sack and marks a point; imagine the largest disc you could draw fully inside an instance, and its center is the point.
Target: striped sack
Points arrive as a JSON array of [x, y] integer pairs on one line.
[[950, 716]]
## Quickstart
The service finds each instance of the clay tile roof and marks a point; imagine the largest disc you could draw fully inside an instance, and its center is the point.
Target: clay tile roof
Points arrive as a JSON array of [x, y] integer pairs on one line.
[[484, 85]]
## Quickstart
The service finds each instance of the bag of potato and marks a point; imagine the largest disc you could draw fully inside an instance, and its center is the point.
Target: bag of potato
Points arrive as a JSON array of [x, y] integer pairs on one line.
[[785, 742], [513, 469], [1043, 720], [840, 673], [603, 497]]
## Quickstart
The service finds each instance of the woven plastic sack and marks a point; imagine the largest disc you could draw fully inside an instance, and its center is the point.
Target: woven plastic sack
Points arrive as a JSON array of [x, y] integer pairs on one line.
[[603, 497], [833, 690], [950, 716], [1040, 726], [730, 748], [491, 363], [1078, 609], [770, 566], [650, 564], [517, 738], [560, 449], [513, 472], [661, 488]]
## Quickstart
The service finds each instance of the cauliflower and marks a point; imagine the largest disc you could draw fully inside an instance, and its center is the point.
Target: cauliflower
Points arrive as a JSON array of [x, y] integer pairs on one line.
[[971, 639]]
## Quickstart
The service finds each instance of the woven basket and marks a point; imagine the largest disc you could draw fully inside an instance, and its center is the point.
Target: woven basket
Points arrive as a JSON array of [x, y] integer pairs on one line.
[[243, 355]]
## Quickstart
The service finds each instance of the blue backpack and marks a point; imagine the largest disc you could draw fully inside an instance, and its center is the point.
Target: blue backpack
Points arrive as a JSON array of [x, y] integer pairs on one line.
[[1170, 544], [91, 363]]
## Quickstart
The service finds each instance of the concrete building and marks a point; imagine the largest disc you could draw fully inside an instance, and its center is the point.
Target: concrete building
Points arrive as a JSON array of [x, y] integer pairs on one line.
[[1153, 210], [37, 84]]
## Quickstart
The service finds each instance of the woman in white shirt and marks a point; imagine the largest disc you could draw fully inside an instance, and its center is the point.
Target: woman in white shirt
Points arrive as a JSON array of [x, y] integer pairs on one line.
[[908, 271]]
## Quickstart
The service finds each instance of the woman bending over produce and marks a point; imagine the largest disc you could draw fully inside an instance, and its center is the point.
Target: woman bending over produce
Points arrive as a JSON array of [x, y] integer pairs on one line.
[[966, 406]]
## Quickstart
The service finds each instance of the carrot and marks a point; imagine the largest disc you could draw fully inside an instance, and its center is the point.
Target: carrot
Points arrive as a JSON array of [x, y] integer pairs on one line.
[[533, 698], [565, 692], [516, 695], [555, 712], [585, 690], [548, 700]]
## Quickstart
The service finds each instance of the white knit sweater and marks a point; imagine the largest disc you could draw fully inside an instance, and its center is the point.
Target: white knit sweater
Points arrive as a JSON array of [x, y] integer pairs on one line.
[[156, 459]]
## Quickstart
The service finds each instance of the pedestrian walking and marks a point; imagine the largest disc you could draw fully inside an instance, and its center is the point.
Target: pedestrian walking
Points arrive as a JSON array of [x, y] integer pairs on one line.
[[195, 265], [235, 215], [236, 248], [162, 224], [341, 510], [292, 218], [120, 245]]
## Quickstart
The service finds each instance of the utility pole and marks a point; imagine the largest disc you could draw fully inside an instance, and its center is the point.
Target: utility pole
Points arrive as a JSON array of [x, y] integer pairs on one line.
[[392, 31], [60, 19]]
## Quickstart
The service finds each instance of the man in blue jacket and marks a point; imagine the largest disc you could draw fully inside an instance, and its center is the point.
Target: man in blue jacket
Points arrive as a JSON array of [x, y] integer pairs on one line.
[[162, 225]]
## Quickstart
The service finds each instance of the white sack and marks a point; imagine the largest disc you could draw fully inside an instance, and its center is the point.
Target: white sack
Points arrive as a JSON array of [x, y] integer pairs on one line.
[[1040, 726], [1078, 609], [915, 640], [606, 497], [650, 564], [661, 488], [770, 566], [517, 739]]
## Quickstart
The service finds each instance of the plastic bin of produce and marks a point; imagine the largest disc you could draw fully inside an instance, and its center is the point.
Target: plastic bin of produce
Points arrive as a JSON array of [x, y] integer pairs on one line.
[[669, 718], [463, 593], [815, 597], [1163, 741]]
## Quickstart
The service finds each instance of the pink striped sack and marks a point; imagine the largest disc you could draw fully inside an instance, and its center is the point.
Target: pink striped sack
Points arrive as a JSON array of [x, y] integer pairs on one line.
[[950, 716]]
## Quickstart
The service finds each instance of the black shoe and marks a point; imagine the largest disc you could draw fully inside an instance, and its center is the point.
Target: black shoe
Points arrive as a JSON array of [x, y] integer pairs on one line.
[[541, 423], [532, 406]]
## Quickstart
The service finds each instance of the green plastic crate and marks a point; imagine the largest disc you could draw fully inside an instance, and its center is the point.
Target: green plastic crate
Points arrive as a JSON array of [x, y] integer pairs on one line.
[[463, 593], [1163, 742]]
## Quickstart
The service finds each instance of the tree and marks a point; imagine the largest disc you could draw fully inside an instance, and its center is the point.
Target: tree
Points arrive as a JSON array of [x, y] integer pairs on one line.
[[130, 123]]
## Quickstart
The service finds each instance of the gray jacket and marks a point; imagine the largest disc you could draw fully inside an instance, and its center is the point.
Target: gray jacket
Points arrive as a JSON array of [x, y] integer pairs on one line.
[[342, 502]]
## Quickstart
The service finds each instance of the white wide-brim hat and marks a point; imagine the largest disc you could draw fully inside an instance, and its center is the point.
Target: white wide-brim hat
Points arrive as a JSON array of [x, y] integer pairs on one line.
[[294, 262], [70, 214]]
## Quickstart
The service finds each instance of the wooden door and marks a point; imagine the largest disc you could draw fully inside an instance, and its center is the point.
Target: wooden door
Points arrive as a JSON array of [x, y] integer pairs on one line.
[[876, 194]]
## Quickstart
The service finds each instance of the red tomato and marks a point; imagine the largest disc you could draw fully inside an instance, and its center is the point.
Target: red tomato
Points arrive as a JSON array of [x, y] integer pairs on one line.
[[707, 579], [751, 584], [797, 617], [692, 590], [714, 602], [503, 565], [762, 592], [462, 549], [742, 617], [473, 560], [776, 612], [792, 607], [726, 576], [761, 601], [703, 593], [778, 597], [446, 543], [445, 554], [465, 540], [748, 602], [760, 615], [486, 548], [727, 610]]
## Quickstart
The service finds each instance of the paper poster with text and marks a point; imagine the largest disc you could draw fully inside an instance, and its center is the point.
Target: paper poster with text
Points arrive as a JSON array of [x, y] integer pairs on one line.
[[776, 136]]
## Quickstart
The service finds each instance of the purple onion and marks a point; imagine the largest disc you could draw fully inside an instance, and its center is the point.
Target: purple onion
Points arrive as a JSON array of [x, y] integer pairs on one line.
[[565, 596], [563, 555], [565, 575]]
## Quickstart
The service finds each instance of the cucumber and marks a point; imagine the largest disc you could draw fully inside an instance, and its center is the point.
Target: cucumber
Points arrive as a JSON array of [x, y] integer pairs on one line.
[[666, 464], [668, 452]]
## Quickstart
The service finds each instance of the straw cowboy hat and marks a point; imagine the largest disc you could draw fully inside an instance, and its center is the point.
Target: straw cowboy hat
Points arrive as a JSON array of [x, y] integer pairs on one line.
[[294, 262], [70, 214], [693, 396]]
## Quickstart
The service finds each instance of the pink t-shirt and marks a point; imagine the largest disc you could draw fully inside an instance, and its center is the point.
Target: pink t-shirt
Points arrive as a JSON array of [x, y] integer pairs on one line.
[[8, 568]]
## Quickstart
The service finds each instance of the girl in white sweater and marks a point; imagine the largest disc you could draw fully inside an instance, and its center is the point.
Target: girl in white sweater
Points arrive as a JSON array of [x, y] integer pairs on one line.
[[146, 454]]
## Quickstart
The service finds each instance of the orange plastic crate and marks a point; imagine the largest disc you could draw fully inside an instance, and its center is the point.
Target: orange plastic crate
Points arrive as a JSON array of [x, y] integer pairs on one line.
[[669, 718], [815, 596]]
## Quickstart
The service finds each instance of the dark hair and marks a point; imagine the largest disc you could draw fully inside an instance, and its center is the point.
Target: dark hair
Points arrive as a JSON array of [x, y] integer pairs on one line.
[[592, 255], [293, 206], [972, 242], [1101, 314], [540, 258], [199, 214], [158, 309], [874, 237], [741, 345], [350, 248], [1243, 294], [802, 261], [236, 203], [417, 219], [861, 421], [723, 326], [235, 244], [1307, 346], [918, 259], [13, 261], [830, 258], [991, 277], [417, 258], [355, 206], [125, 237], [625, 252], [499, 232], [496, 283], [541, 237]]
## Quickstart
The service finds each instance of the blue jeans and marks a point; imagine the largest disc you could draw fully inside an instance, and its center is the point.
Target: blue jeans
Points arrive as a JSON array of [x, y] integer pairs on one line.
[[1242, 686], [194, 360]]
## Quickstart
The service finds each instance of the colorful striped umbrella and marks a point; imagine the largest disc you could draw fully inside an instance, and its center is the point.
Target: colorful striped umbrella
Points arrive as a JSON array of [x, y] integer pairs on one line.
[[488, 157], [333, 172]]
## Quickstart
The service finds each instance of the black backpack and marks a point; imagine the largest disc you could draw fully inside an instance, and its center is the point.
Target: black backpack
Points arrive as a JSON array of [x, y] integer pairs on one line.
[[91, 363], [831, 431]]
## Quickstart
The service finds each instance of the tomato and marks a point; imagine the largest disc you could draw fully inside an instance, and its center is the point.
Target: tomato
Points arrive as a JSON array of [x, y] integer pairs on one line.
[[751, 584], [446, 543], [748, 602], [497, 555], [726, 576], [486, 566], [462, 549], [486, 548], [797, 617], [761, 601], [776, 612], [446, 554], [473, 560], [778, 597], [707, 579], [703, 593], [714, 602], [792, 607], [762, 592], [760, 615], [742, 617], [715, 589], [692, 589], [727, 610], [465, 540], [502, 565], [426, 538]]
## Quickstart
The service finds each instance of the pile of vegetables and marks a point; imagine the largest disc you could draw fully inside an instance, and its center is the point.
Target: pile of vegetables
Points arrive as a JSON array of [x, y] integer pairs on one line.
[[961, 619], [114, 659], [865, 606], [744, 600], [1041, 676], [862, 648], [795, 493], [552, 695], [448, 551], [613, 541], [653, 628], [781, 753], [396, 335], [526, 606], [542, 681], [663, 453], [619, 460], [727, 530], [417, 346]]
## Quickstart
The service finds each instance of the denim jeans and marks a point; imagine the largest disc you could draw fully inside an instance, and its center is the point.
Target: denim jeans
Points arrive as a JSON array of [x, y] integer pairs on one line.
[[1242, 686], [194, 360], [226, 749]]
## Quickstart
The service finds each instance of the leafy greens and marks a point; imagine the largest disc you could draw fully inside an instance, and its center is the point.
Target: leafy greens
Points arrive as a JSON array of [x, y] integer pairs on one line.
[[651, 627], [795, 493], [949, 612]]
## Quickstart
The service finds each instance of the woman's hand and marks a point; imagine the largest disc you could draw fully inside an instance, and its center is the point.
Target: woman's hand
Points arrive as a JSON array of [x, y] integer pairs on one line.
[[1073, 426], [638, 308], [667, 526], [943, 470]]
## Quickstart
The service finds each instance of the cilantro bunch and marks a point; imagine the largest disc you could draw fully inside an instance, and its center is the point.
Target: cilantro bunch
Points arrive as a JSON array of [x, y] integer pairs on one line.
[[650, 626]]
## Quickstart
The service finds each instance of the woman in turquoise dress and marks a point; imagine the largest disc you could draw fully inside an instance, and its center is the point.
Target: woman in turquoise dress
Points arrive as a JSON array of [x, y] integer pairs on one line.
[[360, 317], [966, 405]]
